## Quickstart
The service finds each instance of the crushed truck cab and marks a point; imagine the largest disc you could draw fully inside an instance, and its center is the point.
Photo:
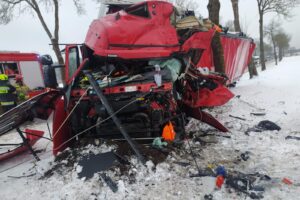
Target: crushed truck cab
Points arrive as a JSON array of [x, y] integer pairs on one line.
[[136, 75]]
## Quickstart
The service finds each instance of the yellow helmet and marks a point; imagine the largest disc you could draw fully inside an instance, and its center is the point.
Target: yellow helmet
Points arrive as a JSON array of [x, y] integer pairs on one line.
[[3, 77]]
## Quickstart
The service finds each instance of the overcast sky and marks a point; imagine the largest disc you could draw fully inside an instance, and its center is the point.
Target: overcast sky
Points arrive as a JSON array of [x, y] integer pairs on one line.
[[25, 33]]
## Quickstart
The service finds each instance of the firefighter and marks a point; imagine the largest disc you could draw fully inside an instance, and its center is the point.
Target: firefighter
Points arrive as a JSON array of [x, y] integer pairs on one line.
[[21, 89], [7, 96]]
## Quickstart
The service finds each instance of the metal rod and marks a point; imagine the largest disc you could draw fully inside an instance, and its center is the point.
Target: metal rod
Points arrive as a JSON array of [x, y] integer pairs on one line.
[[3, 145], [50, 134], [111, 112], [25, 142]]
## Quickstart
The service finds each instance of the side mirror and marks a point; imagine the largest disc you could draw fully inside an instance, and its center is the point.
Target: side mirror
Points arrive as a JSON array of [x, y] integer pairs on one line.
[[46, 60]]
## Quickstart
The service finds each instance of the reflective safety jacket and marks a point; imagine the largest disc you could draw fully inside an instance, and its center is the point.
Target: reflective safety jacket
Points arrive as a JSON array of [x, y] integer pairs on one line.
[[7, 96]]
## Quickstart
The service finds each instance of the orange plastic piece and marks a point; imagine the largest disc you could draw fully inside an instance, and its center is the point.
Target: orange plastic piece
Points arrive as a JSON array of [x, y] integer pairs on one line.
[[219, 181], [218, 28], [287, 181], [169, 132]]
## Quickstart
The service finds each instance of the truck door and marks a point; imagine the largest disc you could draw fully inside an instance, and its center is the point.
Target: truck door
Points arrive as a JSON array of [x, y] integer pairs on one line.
[[72, 62]]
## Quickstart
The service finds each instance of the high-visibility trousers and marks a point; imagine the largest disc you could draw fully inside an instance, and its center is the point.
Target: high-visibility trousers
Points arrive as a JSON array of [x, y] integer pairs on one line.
[[7, 103]]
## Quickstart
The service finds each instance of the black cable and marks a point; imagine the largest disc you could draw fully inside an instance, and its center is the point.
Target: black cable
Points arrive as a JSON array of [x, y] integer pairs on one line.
[[194, 158]]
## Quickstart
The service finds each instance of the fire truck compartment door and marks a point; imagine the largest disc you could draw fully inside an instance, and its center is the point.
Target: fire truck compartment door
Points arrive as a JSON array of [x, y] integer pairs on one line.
[[32, 74]]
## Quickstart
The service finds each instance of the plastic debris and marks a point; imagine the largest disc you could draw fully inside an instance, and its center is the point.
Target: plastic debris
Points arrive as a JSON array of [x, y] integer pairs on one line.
[[208, 197], [292, 138], [110, 183], [219, 181], [245, 156], [221, 171], [169, 132], [157, 143], [287, 181], [268, 126], [265, 125]]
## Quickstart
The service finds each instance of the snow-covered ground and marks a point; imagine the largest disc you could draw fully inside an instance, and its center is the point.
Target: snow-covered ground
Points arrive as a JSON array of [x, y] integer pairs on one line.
[[276, 92]]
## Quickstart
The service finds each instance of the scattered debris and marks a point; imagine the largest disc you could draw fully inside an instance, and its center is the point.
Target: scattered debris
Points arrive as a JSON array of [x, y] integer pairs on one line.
[[292, 138], [204, 173], [157, 143], [245, 183], [219, 181], [264, 125], [205, 139], [208, 197], [287, 181], [220, 170], [240, 118], [110, 183], [183, 164], [24, 176], [245, 156], [267, 125], [153, 154], [258, 114]]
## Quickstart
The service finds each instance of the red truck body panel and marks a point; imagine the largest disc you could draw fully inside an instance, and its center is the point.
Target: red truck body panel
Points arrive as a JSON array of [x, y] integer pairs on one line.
[[15, 57], [129, 36], [237, 55]]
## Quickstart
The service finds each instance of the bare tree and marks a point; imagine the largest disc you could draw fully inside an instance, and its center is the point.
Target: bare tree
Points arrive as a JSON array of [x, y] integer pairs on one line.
[[270, 30], [9, 8], [281, 7], [283, 42], [218, 54], [235, 8]]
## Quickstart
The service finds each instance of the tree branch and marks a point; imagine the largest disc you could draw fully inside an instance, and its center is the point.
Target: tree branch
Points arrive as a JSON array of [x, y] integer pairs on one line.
[[36, 8], [56, 20]]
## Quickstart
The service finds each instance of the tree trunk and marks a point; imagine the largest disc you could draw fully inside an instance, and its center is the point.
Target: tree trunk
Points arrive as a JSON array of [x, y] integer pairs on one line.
[[255, 73], [261, 41], [217, 48], [54, 40], [235, 8], [274, 49], [280, 53], [56, 49], [214, 10], [252, 69], [218, 53]]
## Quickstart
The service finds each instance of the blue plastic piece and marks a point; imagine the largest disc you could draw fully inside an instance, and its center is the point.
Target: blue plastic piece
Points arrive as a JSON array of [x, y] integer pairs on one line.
[[221, 171]]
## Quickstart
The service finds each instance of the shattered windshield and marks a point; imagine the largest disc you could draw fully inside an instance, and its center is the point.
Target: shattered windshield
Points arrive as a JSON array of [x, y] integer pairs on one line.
[[140, 10]]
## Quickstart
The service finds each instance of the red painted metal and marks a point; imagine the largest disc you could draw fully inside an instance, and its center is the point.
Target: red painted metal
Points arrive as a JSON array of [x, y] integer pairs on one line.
[[32, 139], [15, 57], [205, 97], [152, 37], [129, 36], [237, 54], [205, 117], [140, 87], [199, 40], [60, 135]]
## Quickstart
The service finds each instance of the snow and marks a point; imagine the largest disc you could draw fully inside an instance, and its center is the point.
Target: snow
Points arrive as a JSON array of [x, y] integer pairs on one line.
[[274, 92]]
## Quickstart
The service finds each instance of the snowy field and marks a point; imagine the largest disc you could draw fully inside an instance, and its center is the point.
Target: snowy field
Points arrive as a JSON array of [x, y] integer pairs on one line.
[[275, 93]]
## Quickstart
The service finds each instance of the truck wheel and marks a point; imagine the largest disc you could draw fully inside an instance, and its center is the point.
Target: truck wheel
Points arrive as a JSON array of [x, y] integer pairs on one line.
[[49, 76]]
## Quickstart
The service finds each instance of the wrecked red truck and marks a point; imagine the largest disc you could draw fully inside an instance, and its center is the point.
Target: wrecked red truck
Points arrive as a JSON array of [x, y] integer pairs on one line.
[[135, 75]]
